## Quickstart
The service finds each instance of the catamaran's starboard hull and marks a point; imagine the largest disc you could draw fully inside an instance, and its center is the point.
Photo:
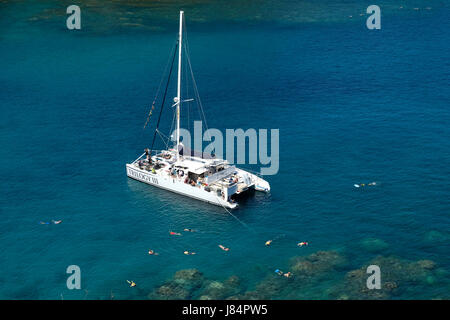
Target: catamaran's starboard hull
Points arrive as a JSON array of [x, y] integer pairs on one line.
[[176, 186]]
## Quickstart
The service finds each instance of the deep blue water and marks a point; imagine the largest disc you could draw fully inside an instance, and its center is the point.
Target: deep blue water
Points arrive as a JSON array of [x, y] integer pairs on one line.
[[352, 106]]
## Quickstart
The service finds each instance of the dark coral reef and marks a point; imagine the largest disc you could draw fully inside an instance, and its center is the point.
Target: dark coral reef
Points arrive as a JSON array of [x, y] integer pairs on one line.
[[397, 275], [320, 275]]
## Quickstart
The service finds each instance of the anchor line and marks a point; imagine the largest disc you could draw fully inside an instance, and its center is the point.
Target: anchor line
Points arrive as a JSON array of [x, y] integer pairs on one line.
[[241, 222]]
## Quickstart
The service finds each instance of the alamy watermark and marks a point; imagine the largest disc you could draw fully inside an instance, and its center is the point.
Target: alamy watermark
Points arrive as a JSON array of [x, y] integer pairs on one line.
[[74, 20], [374, 20], [374, 280], [262, 149], [74, 280]]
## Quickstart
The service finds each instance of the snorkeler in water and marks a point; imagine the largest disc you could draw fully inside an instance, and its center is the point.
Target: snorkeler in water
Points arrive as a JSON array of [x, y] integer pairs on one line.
[[268, 242], [301, 244], [132, 283], [188, 252], [151, 252], [223, 248], [174, 233], [281, 273], [53, 221], [189, 230]]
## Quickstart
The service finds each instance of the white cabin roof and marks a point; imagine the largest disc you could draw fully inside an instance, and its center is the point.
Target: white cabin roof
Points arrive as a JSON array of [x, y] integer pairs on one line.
[[196, 167]]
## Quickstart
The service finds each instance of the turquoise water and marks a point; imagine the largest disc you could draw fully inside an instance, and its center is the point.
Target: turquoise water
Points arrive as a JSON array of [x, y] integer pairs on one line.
[[352, 106]]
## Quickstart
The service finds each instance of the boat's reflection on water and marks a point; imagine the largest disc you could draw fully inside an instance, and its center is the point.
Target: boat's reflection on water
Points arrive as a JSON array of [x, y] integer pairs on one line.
[[167, 203], [167, 199]]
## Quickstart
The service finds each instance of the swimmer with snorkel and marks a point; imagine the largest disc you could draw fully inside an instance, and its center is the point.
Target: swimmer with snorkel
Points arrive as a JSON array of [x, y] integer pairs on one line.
[[281, 273], [53, 221], [223, 248], [132, 283]]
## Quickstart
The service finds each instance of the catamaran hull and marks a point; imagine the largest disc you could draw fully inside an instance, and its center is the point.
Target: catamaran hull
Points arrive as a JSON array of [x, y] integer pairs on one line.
[[177, 186]]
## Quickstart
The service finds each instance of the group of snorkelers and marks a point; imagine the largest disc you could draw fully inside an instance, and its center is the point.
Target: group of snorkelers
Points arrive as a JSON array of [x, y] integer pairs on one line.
[[186, 252], [172, 233], [300, 244], [278, 271]]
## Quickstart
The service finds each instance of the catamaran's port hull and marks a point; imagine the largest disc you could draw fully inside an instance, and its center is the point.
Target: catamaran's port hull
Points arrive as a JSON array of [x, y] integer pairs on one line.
[[176, 186]]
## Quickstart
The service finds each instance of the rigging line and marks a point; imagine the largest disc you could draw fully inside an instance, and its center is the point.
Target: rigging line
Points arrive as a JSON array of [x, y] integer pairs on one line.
[[164, 98], [170, 131], [161, 134], [197, 96], [187, 51], [196, 91], [159, 87], [187, 86], [187, 96], [170, 135], [163, 137]]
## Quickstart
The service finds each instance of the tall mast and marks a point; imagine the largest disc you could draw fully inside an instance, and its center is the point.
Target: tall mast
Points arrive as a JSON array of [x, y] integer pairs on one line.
[[179, 81]]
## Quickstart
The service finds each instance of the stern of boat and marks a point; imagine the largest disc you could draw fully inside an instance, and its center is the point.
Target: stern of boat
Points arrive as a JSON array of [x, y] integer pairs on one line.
[[261, 185]]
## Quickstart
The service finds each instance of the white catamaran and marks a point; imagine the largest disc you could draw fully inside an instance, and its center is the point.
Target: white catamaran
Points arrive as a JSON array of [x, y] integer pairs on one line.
[[191, 173]]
